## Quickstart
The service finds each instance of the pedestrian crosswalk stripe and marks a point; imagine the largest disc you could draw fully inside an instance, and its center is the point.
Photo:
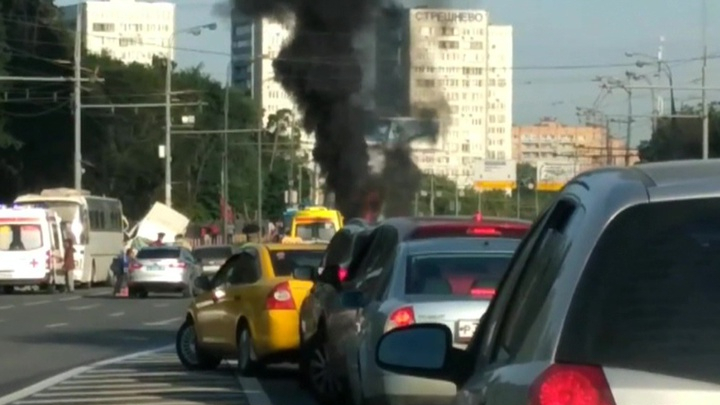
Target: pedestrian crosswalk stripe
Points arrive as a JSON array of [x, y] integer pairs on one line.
[[153, 379]]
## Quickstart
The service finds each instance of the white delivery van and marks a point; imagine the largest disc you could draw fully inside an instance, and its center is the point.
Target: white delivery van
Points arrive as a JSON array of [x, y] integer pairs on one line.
[[31, 248]]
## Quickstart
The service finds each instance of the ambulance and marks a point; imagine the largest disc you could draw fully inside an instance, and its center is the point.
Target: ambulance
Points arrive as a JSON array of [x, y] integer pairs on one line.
[[31, 248]]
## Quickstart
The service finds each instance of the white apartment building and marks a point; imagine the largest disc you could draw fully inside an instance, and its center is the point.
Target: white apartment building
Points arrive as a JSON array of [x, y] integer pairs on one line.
[[461, 66], [255, 44], [127, 30]]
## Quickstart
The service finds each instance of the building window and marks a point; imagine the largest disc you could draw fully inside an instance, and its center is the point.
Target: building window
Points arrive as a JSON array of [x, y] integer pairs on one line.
[[448, 45], [476, 45], [425, 83], [103, 27]]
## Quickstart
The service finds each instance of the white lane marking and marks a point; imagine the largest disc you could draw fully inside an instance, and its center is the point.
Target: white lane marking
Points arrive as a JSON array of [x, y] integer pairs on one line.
[[29, 304], [7, 306], [69, 298], [83, 307], [35, 388], [165, 322], [116, 314], [256, 395], [56, 325]]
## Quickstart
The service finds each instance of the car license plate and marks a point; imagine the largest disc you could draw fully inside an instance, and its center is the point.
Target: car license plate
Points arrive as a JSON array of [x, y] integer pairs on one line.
[[465, 330], [154, 267]]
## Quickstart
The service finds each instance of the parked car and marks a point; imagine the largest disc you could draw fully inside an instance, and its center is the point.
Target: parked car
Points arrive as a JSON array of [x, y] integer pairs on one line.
[[611, 299], [322, 307], [162, 269], [212, 257], [249, 309], [427, 272]]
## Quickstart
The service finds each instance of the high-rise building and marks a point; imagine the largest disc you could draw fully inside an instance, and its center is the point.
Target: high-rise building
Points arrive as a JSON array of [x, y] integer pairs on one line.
[[255, 43], [127, 30], [455, 65]]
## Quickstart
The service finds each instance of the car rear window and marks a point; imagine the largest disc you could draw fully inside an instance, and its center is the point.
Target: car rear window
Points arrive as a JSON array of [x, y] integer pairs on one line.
[[158, 253], [461, 274], [284, 261], [213, 253], [321, 230], [649, 298], [20, 237]]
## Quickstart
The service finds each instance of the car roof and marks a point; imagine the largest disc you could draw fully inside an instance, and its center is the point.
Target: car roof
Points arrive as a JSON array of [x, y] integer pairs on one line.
[[462, 244], [288, 246], [679, 171], [213, 247], [661, 181], [173, 247]]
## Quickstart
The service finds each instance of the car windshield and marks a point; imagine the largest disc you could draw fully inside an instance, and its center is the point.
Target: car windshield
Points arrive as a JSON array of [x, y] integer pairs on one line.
[[322, 230], [650, 295], [462, 274], [284, 261], [213, 253], [20, 237], [158, 253]]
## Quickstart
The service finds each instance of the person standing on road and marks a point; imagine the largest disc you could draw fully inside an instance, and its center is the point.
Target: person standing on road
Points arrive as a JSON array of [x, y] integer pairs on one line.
[[159, 240], [69, 265]]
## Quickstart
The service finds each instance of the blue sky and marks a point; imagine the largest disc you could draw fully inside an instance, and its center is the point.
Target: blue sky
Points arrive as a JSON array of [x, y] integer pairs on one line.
[[583, 36]]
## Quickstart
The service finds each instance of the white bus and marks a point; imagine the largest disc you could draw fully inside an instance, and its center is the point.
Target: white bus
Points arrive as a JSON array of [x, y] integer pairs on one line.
[[96, 225]]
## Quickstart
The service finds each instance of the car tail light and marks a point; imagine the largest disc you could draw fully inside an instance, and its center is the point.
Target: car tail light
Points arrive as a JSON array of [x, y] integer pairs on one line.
[[280, 297], [178, 265], [484, 231], [342, 274], [483, 293], [565, 384], [401, 317], [134, 266]]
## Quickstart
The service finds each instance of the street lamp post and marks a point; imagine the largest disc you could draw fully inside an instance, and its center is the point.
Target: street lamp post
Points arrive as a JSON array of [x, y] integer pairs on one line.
[[196, 30]]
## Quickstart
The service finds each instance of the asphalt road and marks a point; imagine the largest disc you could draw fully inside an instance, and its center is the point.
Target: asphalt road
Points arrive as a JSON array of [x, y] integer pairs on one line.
[[42, 335]]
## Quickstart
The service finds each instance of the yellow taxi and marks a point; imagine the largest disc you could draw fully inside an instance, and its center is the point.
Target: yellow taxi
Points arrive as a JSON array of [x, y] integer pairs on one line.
[[316, 223], [249, 309]]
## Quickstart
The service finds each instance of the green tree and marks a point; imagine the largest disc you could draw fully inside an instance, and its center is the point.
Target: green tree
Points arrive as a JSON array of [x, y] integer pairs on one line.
[[681, 138], [36, 150]]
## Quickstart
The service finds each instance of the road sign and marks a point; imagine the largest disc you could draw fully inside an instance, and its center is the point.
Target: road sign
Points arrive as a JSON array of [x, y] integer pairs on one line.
[[552, 176], [495, 175]]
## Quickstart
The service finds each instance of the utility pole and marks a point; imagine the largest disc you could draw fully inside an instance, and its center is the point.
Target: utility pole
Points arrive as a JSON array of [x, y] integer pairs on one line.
[[224, 181], [628, 135], [76, 98], [705, 113]]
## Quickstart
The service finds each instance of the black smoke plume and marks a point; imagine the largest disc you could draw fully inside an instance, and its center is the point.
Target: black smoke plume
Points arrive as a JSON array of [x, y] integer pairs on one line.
[[320, 68]]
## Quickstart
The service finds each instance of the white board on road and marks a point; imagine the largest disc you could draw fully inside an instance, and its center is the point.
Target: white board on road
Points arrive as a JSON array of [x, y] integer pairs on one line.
[[495, 174], [552, 175]]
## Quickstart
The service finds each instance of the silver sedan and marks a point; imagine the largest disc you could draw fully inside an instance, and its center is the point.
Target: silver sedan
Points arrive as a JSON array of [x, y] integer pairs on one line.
[[162, 269]]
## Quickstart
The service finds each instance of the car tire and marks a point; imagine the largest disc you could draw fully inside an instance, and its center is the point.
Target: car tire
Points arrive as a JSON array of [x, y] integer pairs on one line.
[[324, 386], [190, 355], [248, 364]]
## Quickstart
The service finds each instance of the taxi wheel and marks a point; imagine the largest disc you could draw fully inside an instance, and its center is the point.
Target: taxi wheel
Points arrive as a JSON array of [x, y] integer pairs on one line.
[[188, 352], [248, 364]]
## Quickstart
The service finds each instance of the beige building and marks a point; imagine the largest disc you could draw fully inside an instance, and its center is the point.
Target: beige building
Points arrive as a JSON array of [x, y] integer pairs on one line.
[[128, 30], [461, 66], [586, 147]]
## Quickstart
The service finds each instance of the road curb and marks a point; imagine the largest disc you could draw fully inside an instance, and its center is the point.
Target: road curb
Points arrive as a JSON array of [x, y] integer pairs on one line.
[[66, 375]]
